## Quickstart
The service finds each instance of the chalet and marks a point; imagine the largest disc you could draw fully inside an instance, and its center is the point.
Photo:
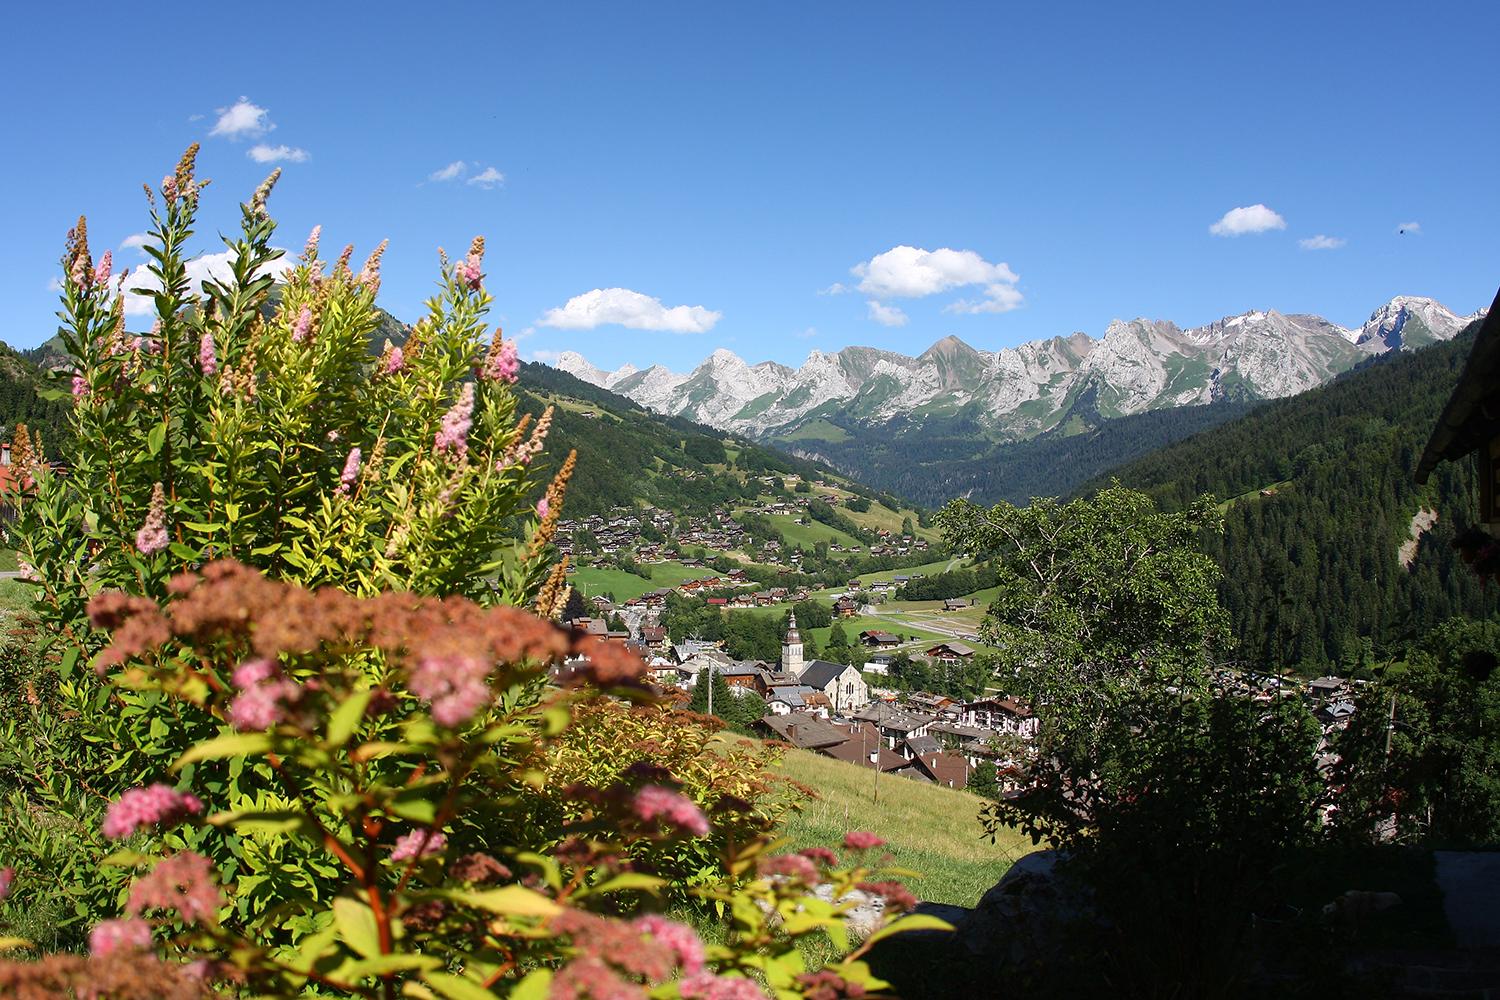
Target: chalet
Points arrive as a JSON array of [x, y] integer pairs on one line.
[[845, 607], [1326, 689], [783, 699], [690, 648], [843, 685], [879, 640], [1470, 425], [864, 746], [952, 651], [955, 604], [803, 731], [895, 725], [1006, 715], [654, 636], [602, 604], [933, 704], [718, 602], [950, 770]]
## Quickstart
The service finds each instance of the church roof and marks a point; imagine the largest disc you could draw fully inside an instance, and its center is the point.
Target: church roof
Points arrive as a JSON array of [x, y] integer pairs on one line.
[[819, 673]]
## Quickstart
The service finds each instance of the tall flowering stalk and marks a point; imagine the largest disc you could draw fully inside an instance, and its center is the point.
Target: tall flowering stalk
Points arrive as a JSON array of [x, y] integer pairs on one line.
[[231, 419]]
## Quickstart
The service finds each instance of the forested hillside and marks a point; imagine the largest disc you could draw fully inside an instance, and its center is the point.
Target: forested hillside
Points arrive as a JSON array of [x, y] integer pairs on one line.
[[21, 402], [933, 460], [1319, 498]]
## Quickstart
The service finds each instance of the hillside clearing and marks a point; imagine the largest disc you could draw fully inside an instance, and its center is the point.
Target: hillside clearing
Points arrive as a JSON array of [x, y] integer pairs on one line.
[[931, 830]]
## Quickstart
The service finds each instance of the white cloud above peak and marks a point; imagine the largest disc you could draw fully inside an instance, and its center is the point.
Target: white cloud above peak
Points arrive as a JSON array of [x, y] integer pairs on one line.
[[451, 172], [487, 178], [907, 272], [1247, 219], [1321, 242], [623, 307], [886, 315], [242, 120], [262, 153], [214, 266]]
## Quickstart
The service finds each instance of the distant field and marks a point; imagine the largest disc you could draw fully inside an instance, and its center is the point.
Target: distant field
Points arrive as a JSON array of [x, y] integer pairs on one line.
[[808, 535], [14, 594], [8, 562], [931, 830], [592, 580], [853, 626]]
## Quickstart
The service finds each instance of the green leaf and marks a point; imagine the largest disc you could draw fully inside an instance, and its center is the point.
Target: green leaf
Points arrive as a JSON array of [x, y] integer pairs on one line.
[[382, 964], [910, 922], [536, 986], [228, 745], [509, 901], [357, 926], [346, 717], [155, 438], [457, 987], [630, 880], [185, 552], [259, 821]]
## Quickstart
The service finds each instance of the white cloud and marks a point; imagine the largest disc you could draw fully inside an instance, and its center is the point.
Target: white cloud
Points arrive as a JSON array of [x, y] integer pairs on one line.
[[452, 171], [837, 288], [135, 241], [810, 332], [886, 315], [487, 178], [1247, 219], [544, 357], [242, 120], [1409, 227], [262, 153], [906, 272], [627, 308], [209, 266], [1321, 242], [910, 272]]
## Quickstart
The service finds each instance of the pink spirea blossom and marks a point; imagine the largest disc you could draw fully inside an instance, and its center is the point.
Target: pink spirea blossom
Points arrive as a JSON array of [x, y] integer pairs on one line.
[[896, 895], [418, 844], [468, 271], [101, 272], [114, 937], [654, 802], [263, 695], [502, 365], [152, 537], [455, 686], [208, 356], [152, 805], [302, 329], [169, 188], [183, 883], [311, 249], [707, 986], [679, 938], [80, 387], [452, 438], [792, 866], [7, 877], [395, 360], [861, 841], [350, 476], [542, 508], [820, 855], [80, 274]]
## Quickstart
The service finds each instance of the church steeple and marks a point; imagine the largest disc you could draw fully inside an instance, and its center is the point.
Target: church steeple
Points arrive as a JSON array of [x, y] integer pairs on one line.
[[791, 648]]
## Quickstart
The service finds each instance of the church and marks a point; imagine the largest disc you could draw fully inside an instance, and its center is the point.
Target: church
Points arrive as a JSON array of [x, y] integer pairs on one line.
[[843, 685]]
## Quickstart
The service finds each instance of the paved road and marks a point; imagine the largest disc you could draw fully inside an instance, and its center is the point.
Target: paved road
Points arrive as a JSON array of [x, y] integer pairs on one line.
[[1470, 881]]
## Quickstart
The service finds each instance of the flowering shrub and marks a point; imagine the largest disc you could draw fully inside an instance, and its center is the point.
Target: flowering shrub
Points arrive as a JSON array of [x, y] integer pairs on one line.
[[253, 422], [369, 861]]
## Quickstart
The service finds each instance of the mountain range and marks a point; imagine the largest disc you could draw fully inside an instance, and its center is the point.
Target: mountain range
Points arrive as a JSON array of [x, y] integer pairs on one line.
[[1022, 392]]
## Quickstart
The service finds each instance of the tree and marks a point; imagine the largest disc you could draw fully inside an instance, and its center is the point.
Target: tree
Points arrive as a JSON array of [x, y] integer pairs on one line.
[[575, 606], [907, 528], [616, 623], [838, 643], [722, 698]]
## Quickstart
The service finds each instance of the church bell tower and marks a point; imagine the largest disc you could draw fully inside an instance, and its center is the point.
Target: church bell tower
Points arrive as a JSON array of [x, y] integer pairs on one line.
[[791, 649]]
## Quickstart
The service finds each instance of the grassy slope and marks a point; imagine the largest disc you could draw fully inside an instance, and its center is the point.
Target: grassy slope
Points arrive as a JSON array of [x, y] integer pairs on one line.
[[808, 535], [592, 580], [931, 830]]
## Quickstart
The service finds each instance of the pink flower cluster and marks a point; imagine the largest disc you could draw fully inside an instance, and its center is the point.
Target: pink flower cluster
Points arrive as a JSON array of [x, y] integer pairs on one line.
[[114, 937], [707, 986], [860, 841], [468, 271], [453, 437], [350, 476], [543, 508], [419, 844], [791, 866], [653, 802], [152, 537], [7, 876], [183, 883], [455, 686], [310, 249], [152, 805], [302, 329], [80, 387], [394, 361], [680, 939], [821, 855], [208, 357], [264, 693], [502, 365], [101, 273], [896, 895]]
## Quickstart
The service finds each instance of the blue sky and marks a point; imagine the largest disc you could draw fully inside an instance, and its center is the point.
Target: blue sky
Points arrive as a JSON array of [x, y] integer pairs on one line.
[[722, 171]]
